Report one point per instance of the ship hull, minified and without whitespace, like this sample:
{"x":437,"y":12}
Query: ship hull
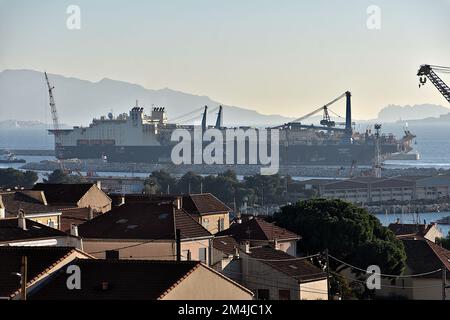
{"x":289,"y":155}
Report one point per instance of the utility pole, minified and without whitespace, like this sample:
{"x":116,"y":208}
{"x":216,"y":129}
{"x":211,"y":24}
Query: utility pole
{"x":444,"y":282}
{"x":327,"y":261}
{"x":178,"y":244}
{"x":23,"y":277}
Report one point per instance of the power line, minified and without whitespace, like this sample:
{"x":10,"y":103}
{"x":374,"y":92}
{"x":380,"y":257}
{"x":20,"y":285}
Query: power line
{"x":386,"y":275}
{"x":387,"y":286}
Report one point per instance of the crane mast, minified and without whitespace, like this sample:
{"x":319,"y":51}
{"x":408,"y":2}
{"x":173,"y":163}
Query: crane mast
{"x":429,"y":71}
{"x":52,"y":104}
{"x":55,"y":118}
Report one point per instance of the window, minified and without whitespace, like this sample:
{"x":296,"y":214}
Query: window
{"x":206,"y":223}
{"x":284,"y":294}
{"x":221,"y":223}
{"x":202,"y":255}
{"x":186,"y":255}
{"x":112,"y":254}
{"x":263,"y":294}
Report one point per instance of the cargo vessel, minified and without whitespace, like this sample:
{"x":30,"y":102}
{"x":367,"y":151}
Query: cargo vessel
{"x":135,"y":137}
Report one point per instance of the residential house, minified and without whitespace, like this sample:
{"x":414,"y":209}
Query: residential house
{"x":33,"y":204}
{"x":25,"y":232}
{"x":416,"y":231}
{"x":143,"y":280}
{"x":209,"y":211}
{"x":263,"y":257}
{"x":275,"y":275}
{"x":146,"y":230}
{"x":82,"y":195}
{"x":42,"y":262}
{"x":423,"y":277}
{"x":259,"y":232}
{"x":225,"y":257}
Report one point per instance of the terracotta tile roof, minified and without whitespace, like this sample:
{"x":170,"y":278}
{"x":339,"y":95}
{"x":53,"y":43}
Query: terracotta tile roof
{"x":425,"y":256}
{"x":408,"y":230}
{"x":27,"y":200}
{"x":63,"y":193}
{"x":10,"y":231}
{"x":258,"y":229}
{"x":143,"y":221}
{"x":125,"y":280}
{"x":301,"y":270}
{"x":194,"y":204}
{"x":75,"y":216}
{"x":204,"y":204}
{"x":226,"y":244}
{"x":39,"y":260}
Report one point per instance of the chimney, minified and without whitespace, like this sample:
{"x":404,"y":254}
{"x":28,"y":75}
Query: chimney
{"x":398,"y":221}
{"x":2,"y":209}
{"x":105,"y":285}
{"x":91,"y":213}
{"x":122,"y":200}
{"x":99,"y":185}
{"x":22,"y":222}
{"x":74,"y":230}
{"x":275,"y":244}
{"x":236,"y":252}
{"x":239,"y":218}
{"x":179,"y":203}
{"x":247,"y":247}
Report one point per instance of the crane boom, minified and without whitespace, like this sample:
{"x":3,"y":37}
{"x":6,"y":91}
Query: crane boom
{"x":52,"y":104}
{"x":325,"y":107}
{"x":429,"y":71}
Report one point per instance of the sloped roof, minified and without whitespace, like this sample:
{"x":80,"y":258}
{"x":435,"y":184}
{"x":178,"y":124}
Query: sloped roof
{"x":31,"y":202}
{"x":63,"y":193}
{"x":258,"y":229}
{"x":75,"y":216}
{"x":125,"y":279}
{"x":299,"y":269}
{"x":405,"y":230}
{"x":143,"y":221}
{"x":39,"y":259}
{"x":424,"y":256}
{"x":226,"y":244}
{"x":204,"y":204}
{"x":194,"y":204}
{"x":10,"y":231}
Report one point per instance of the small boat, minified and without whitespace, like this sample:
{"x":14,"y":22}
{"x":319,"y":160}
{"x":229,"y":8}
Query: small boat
{"x":445,"y":220}
{"x":8,"y":157}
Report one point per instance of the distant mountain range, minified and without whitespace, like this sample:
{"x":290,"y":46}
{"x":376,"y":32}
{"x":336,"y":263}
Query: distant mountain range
{"x":394,"y":113}
{"x":24,"y":98}
{"x":23,"y":95}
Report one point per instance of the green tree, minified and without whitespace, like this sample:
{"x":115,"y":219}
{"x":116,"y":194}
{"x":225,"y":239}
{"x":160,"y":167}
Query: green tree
{"x":59,"y":176}
{"x":350,"y":233}
{"x":189,"y":183}
{"x":159,"y":182}
{"x":12,"y":178}
{"x":444,"y":242}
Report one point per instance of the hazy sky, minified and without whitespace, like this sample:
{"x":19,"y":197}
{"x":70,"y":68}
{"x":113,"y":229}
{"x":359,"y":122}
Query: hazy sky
{"x":275,"y":56}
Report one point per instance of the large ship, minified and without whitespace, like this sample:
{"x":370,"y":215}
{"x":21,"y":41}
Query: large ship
{"x":135,"y":137}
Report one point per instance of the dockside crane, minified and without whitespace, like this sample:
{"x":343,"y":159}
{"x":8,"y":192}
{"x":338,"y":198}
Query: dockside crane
{"x":429,"y":71}
{"x":55,"y":118}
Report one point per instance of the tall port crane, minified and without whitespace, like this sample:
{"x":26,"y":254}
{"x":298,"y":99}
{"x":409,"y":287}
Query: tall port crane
{"x":429,"y":71}
{"x":55,"y":118}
